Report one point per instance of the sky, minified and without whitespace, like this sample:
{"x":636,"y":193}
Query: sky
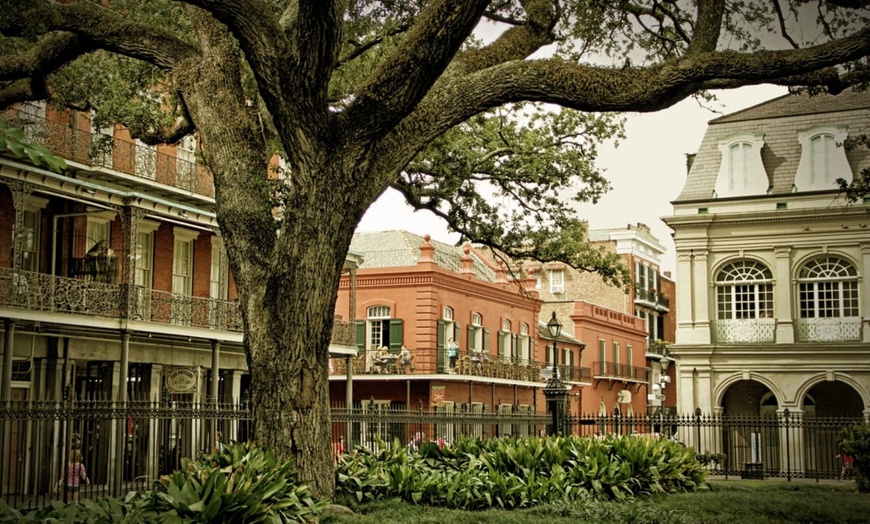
{"x":646,"y":171}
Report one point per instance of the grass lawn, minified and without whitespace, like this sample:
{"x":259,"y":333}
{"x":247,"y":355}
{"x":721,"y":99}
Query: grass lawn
{"x":727,"y":501}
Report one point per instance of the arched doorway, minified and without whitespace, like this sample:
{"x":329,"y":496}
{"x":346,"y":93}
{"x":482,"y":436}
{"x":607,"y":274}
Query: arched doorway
{"x":750,"y":431}
{"x":828,"y":406}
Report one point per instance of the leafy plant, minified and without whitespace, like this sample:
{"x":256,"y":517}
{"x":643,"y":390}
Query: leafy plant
{"x":130,"y":510}
{"x":237,"y":483}
{"x":13,"y":141}
{"x":855,"y":442}
{"x":711,"y":459}
{"x":517,"y":473}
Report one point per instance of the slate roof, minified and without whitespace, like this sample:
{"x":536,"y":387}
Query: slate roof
{"x":400,"y":248}
{"x":779,"y":121}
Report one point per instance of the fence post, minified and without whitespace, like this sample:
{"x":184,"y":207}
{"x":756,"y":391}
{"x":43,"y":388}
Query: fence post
{"x":785,"y":415}
{"x":697,"y":430}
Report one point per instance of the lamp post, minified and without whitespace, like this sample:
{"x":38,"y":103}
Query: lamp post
{"x":555,"y":392}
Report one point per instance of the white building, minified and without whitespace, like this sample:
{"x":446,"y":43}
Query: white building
{"x":774,"y":301}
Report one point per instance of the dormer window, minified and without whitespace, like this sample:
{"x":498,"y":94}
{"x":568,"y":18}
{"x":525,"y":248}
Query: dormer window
{"x":823,"y":159}
{"x":741,"y":172}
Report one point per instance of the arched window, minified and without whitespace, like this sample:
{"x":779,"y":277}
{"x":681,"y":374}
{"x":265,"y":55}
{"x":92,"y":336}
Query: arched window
{"x":744,"y":290}
{"x":823,"y":159}
{"x":828,"y":288}
{"x":822,"y":149}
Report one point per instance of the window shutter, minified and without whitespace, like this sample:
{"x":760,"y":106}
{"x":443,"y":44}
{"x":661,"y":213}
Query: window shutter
{"x":456,"y":332}
{"x":502,"y":344}
{"x":470,"y":340}
{"x":440,"y":350}
{"x":485,"y":347}
{"x":515,"y":346}
{"x":396,"y":335}
{"x":360,"y":335}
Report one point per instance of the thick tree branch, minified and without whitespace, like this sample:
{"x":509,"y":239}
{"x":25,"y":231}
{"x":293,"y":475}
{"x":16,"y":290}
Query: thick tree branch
{"x":48,"y":54}
{"x":404,"y":78}
{"x":108,"y":30}
{"x":708,"y":26}
{"x":590,"y":88}
{"x":21,"y":91}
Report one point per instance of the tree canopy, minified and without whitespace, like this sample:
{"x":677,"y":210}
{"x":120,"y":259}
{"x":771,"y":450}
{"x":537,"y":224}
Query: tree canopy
{"x":360,"y":96}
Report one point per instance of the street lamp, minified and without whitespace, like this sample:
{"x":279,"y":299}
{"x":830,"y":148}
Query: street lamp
{"x":555,"y":391}
{"x":555,"y":328}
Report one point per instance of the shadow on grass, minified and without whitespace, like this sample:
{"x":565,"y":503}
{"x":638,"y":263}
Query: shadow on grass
{"x":760,"y":502}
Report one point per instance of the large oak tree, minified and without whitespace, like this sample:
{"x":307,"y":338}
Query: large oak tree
{"x":359,"y":96}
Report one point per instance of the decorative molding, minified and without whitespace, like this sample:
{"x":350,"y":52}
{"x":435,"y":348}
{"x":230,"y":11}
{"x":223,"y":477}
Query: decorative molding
{"x":782,"y":252}
{"x":700,"y":255}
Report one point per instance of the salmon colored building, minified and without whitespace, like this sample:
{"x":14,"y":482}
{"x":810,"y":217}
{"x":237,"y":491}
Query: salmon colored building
{"x":419,"y":294}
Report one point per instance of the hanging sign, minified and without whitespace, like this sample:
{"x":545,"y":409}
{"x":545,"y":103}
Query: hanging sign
{"x":182,"y":380}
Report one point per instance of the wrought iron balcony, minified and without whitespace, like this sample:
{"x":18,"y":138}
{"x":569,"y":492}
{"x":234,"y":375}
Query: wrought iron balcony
{"x":76,"y":296}
{"x":602,"y":369}
{"x":842,"y":329}
{"x":651,"y":296}
{"x":86,"y":147}
{"x":435,"y":361}
{"x":745,"y":331}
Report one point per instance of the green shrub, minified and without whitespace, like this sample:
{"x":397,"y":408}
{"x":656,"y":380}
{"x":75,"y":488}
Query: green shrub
{"x":516,"y":473}
{"x":855,"y":441}
{"x":237,"y":483}
{"x":131,"y":510}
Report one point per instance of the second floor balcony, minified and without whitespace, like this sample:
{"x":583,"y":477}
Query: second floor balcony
{"x":834,"y":329}
{"x":744,"y":331}
{"x":617,"y":371}
{"x":76,"y":297}
{"x":471,"y":364}
{"x":652,"y":298}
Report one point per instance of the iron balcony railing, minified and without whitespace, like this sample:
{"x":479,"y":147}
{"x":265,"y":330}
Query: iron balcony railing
{"x":651,"y":296}
{"x":100,"y":150}
{"x":615,"y":370}
{"x":745,"y":331}
{"x":436,"y":361}
{"x":75,"y":296}
{"x":842,"y":329}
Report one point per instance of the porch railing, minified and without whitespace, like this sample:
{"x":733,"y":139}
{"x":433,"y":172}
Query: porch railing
{"x":605,"y":369}
{"x":745,"y":331}
{"x":841,"y":329}
{"x":99,"y":150}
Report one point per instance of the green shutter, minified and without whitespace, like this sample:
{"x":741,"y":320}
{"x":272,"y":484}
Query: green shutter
{"x":441,"y":352}
{"x":456,"y":333}
{"x":470,"y":338}
{"x":396,"y":335}
{"x":502,"y":344}
{"x":485,"y":348}
{"x":360,"y":335}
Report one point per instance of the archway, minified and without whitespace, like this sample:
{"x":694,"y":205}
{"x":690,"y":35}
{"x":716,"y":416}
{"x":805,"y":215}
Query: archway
{"x":833,"y":399}
{"x":827,"y":407}
{"x":750,"y":428}
{"x":746,"y":397}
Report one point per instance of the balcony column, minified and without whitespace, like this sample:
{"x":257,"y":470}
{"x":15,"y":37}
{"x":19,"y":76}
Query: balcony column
{"x":121,"y":422}
{"x":865,"y":299}
{"x":782,"y":297}
{"x":130,"y":217}
{"x":8,"y":352}
{"x":20,"y":192}
{"x":215,"y":370}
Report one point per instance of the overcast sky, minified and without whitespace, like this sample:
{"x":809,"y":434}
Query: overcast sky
{"x":647,"y":172}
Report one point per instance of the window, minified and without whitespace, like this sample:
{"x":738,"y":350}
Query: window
{"x":629,"y":360}
{"x":741,"y":171}
{"x":475,"y":333}
{"x":217,"y":275}
{"x":378,"y":320}
{"x":616,"y":358}
{"x":185,"y":172}
{"x":828,"y":288}
{"x":143,"y":276}
{"x":744,"y":290}
{"x":182,"y":276}
{"x":101,"y":144}
{"x":823,"y":159}
{"x":506,"y":341}
{"x":524,"y":344}
{"x":32,"y":115}
{"x":602,"y":356}
{"x":32,"y":231}
{"x":146,"y":160}
{"x":99,"y":229}
{"x":557,"y":281}
{"x":738,"y":174}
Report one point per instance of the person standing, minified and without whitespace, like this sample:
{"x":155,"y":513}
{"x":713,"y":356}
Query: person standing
{"x":74,"y":475}
{"x":452,"y":352}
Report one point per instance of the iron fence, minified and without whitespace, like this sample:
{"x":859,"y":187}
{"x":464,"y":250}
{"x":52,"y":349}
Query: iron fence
{"x":781,"y":444}
{"x":127,"y":446}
